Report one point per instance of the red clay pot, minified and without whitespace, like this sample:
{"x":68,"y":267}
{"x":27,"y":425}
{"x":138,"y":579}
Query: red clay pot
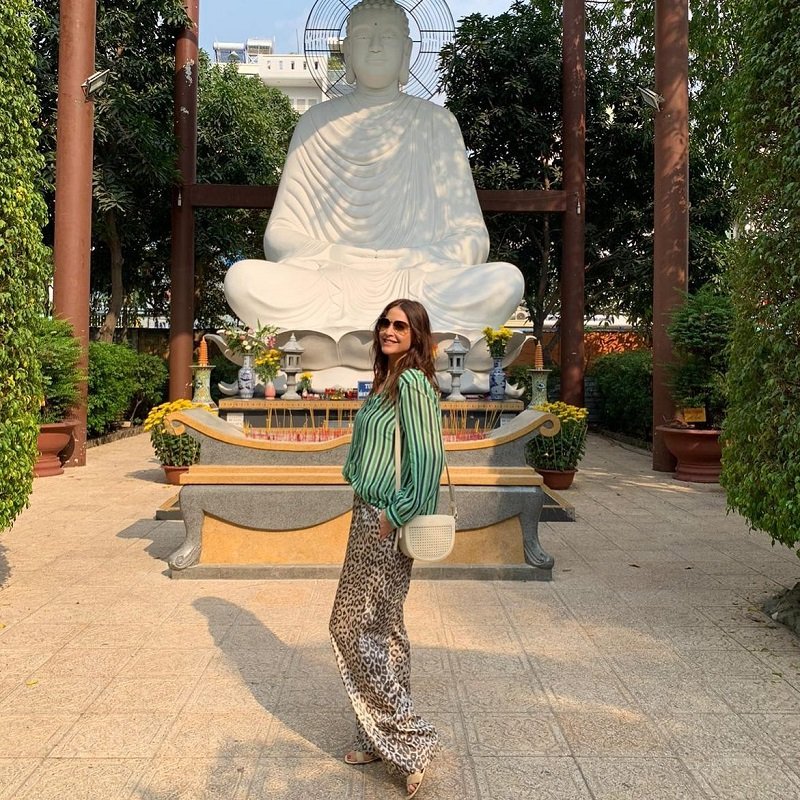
{"x":53,"y":438}
{"x":698,"y":452}
{"x":557,"y":479}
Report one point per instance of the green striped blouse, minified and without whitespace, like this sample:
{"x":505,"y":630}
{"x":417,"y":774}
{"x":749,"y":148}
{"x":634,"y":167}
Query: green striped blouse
{"x":369,"y":467}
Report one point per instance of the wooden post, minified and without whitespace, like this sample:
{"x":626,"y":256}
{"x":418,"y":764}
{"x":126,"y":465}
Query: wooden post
{"x":671,"y":194}
{"x":182,"y":269}
{"x":73,"y":208}
{"x":573,"y":257}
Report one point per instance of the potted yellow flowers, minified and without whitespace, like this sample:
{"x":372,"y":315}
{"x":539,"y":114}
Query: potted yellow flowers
{"x":176,"y":452}
{"x":496,"y":342}
{"x":268,"y":364}
{"x":556,"y":458}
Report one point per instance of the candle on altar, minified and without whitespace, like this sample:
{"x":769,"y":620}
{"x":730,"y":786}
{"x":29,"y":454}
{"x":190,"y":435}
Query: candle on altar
{"x":538,"y":358}
{"x":202,"y":358}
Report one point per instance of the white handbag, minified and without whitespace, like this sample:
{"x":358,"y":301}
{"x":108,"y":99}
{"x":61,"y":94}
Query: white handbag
{"x":427,"y":537}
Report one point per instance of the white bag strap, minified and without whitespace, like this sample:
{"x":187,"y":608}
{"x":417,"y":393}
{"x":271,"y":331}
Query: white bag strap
{"x":398,"y":467}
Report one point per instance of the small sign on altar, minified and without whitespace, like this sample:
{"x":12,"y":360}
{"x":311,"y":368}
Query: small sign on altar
{"x":364,"y":388}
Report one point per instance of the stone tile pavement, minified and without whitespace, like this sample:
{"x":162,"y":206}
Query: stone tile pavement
{"x":644,"y":671}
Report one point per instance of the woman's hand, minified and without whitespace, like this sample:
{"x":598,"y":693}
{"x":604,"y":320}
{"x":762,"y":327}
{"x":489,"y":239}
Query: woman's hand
{"x":385,"y":527}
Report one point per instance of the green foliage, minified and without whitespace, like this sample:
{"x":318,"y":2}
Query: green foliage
{"x":23,"y":259}
{"x":151,"y":384}
{"x":134,"y":145}
{"x":58,"y":352}
{"x":175,"y":451}
{"x":700,"y":332}
{"x":503,"y":80}
{"x":243,"y":133}
{"x":564,"y":450}
{"x":520,"y":377}
{"x":225,"y":371}
{"x":122,"y":384}
{"x":244,"y":129}
{"x":171,"y":449}
{"x":112,"y":385}
{"x":761,"y":434}
{"x":625,"y":392}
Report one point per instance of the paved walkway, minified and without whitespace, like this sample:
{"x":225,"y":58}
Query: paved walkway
{"x":644,"y":671}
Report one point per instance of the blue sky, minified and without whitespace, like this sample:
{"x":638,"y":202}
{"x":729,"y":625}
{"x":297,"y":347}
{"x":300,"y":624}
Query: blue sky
{"x":284,"y":20}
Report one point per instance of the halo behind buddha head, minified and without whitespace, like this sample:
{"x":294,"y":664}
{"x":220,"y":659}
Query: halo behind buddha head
{"x":377,"y":5}
{"x":367,"y":6}
{"x":429,"y":24}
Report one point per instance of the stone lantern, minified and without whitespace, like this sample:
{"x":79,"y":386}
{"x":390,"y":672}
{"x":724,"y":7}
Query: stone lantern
{"x":291,"y":366}
{"x":455,"y":354}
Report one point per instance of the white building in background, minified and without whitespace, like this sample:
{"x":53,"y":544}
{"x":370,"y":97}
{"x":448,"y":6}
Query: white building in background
{"x":288,"y":72}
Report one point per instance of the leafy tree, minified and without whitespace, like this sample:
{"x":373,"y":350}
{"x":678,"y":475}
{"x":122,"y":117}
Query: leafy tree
{"x":244,"y":128}
{"x":23,"y":259}
{"x":502,"y":76}
{"x":134,"y":146}
{"x":243,"y":133}
{"x":761,"y":465}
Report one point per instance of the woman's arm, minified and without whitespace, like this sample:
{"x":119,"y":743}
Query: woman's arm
{"x":423,"y":453}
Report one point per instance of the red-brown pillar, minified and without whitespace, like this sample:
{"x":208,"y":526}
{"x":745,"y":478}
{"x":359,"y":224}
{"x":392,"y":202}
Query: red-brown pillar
{"x":182,"y":271}
{"x":73,"y":204}
{"x":671,"y":193}
{"x":573,"y":256}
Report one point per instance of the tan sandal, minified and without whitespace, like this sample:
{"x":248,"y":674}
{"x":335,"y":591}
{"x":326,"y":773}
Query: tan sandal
{"x":359,"y":757}
{"x":413,"y":782}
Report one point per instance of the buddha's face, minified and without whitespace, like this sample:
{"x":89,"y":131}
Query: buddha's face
{"x":376,"y":48}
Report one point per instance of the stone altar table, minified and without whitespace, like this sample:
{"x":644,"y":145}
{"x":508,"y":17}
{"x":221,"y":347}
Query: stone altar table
{"x":255,"y":509}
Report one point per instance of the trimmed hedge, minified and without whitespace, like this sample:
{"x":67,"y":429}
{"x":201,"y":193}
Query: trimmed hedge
{"x":123,"y":384}
{"x":112,"y":385}
{"x":761,"y":432}
{"x":58,"y":352}
{"x":625,"y":392}
{"x":23,"y":259}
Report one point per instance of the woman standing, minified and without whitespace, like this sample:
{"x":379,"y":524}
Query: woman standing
{"x":367,"y":629}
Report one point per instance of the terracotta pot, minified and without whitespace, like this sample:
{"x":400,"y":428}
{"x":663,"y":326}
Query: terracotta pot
{"x":698,"y":452}
{"x":173,"y":474}
{"x":53,"y":438}
{"x":557,"y":479}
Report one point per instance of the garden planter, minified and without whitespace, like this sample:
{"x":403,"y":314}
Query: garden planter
{"x":698,"y":452}
{"x":557,"y":479}
{"x":53,"y":438}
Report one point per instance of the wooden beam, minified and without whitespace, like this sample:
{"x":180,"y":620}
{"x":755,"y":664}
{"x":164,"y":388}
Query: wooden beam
{"x":208,"y":195}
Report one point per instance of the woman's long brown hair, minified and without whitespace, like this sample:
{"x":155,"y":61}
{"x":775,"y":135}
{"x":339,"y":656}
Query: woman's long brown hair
{"x":419,"y":355}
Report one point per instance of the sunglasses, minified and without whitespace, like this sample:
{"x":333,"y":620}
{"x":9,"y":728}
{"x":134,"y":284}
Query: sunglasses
{"x":384,"y":323}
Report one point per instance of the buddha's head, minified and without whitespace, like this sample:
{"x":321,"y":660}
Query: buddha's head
{"x":377,"y":47}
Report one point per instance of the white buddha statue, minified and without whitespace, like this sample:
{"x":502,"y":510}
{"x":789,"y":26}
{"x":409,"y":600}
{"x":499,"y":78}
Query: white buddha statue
{"x":376,"y":201}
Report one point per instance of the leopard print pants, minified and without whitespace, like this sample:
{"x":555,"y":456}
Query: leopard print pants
{"x":372,"y":649}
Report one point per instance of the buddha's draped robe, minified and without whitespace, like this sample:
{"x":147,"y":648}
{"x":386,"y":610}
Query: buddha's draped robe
{"x":375,"y":203}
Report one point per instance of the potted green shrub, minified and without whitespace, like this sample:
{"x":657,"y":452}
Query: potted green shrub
{"x":556,"y":458}
{"x":58,"y":353}
{"x":700,"y":330}
{"x":176,"y":452}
